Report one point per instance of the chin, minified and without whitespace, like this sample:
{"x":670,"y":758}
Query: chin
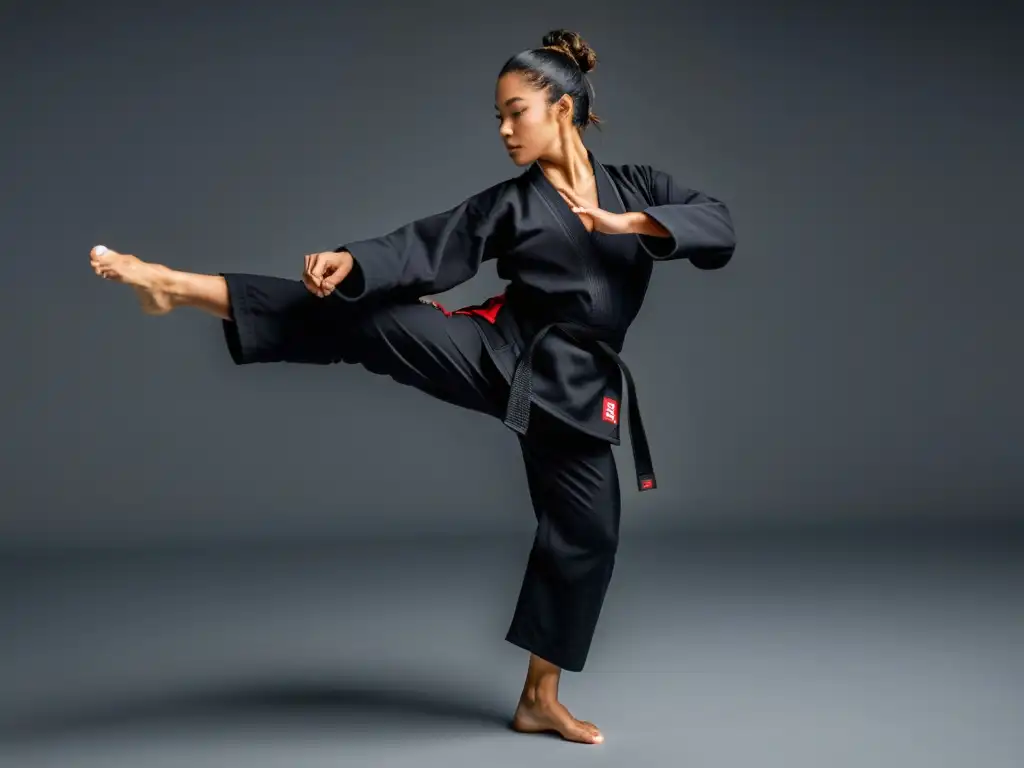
{"x":521,"y":158}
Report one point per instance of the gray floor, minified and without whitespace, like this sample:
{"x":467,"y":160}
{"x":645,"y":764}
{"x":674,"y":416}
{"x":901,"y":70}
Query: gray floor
{"x":715,"y":649}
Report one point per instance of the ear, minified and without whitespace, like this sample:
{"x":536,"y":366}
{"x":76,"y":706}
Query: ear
{"x":565,"y":106}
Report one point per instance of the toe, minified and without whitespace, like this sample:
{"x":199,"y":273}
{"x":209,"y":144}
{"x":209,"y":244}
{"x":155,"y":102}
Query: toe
{"x":586,"y":733}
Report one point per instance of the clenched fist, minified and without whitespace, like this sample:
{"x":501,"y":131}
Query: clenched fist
{"x":325,"y":270}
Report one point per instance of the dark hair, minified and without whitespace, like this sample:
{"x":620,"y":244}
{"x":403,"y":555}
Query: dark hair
{"x":561,"y":67}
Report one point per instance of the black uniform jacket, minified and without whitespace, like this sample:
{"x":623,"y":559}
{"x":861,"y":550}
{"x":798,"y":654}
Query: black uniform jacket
{"x":557,"y":330}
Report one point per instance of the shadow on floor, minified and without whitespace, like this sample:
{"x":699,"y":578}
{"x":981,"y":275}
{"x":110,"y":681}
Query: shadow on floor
{"x":337,"y":709}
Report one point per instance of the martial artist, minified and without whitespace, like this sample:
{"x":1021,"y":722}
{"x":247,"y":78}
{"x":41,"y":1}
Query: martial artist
{"x":576,"y":240}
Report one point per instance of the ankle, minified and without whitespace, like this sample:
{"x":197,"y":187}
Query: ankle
{"x":174,"y":284}
{"x":537,"y":692}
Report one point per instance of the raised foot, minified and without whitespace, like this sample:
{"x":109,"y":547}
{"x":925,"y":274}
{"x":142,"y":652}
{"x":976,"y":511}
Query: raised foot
{"x":553,"y":717}
{"x":147,"y":280}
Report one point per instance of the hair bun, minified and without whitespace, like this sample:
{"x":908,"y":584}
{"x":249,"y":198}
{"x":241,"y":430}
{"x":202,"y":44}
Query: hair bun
{"x":573,"y":45}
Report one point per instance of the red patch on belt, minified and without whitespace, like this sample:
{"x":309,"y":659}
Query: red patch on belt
{"x":610,"y":411}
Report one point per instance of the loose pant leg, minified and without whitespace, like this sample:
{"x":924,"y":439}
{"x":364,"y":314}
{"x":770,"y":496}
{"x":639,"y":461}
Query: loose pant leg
{"x":278,"y":320}
{"x":572,"y":477}
{"x":574,"y":486}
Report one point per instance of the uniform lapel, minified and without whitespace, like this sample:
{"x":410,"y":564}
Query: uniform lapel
{"x":608,"y":197}
{"x":558,"y":207}
{"x":611,"y":247}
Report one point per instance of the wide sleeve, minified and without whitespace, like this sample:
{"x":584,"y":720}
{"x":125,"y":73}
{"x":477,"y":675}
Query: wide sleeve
{"x":426,"y":256}
{"x":699,"y":227}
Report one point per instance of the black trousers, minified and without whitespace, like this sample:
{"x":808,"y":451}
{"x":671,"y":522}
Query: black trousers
{"x":572,"y":477}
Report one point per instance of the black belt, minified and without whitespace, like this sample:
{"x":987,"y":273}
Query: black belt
{"x":517,"y":414}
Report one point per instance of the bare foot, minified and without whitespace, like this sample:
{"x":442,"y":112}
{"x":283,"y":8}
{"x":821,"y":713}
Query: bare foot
{"x":539,"y":716}
{"x":146,"y":279}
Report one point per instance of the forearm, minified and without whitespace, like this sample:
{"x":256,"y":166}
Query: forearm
{"x":426,"y":256}
{"x":642,"y":224}
{"x":699,"y":231}
{"x":682,"y":223}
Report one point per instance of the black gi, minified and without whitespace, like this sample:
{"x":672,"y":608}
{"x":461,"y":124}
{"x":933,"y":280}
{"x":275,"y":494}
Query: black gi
{"x":543,"y":356}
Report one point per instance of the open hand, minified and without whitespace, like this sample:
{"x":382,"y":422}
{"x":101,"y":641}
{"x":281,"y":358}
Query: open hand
{"x":603,"y":221}
{"x":325,"y":270}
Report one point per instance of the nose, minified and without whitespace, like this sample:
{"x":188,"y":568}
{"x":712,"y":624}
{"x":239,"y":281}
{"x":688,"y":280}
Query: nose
{"x":505,"y":129}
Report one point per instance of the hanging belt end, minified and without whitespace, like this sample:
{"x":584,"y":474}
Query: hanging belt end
{"x":646,"y":482}
{"x":518,"y":425}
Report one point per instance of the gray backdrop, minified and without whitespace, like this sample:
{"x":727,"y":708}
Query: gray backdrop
{"x":858,"y":359}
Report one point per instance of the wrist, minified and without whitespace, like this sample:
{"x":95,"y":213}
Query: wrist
{"x":346,"y":264}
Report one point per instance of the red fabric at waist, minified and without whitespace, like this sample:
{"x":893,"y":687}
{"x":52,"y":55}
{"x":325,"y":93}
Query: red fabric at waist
{"x":488,"y":309}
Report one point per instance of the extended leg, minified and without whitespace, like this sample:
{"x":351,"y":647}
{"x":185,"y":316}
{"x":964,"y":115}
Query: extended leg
{"x":208,"y":293}
{"x":161,"y":289}
{"x":575,"y":491}
{"x":270,"y":319}
{"x":414,"y":344}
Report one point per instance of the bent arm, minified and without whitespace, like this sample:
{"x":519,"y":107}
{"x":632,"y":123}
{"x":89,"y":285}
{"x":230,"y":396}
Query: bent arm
{"x":427,"y":256}
{"x":685,"y":224}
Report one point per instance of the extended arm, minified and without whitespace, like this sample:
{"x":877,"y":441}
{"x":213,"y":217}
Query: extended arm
{"x":427,"y":256}
{"x":685,"y":224}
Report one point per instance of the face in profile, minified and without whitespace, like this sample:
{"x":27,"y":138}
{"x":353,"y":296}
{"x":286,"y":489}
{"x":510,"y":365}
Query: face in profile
{"x":528,"y":125}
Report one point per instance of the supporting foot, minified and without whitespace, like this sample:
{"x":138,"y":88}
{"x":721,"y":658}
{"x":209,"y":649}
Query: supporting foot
{"x":540,"y":711}
{"x":551,"y":716}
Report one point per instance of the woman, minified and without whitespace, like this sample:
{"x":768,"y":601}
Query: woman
{"x":577,"y":241}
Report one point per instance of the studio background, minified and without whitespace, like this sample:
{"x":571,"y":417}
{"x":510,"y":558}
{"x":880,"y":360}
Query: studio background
{"x":858,"y":360}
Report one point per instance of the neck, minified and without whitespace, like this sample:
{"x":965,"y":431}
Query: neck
{"x":567,"y":161}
